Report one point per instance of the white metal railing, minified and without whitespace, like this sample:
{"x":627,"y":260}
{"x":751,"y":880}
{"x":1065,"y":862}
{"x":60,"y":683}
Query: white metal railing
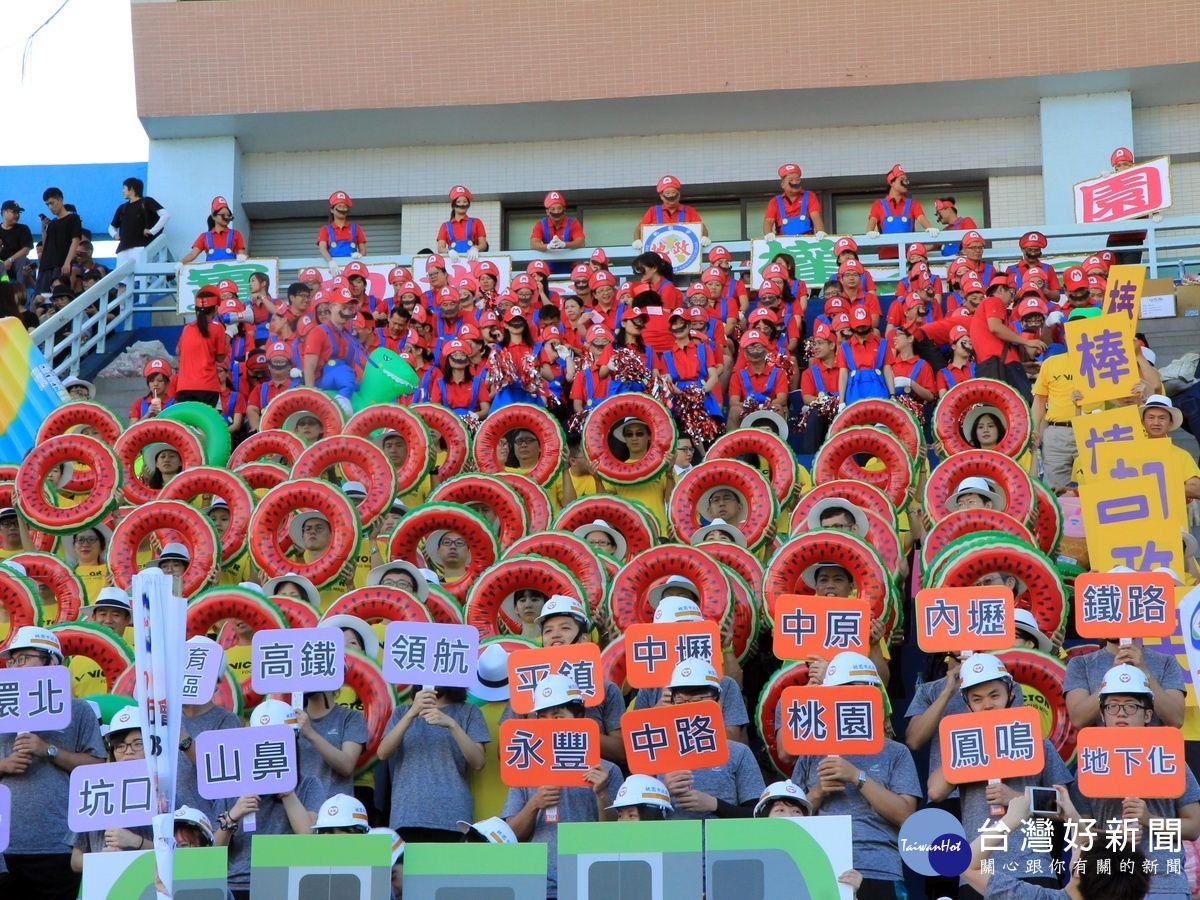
{"x":1170,"y":247}
{"x":73,"y":333}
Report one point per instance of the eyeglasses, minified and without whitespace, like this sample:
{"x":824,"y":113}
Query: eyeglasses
{"x":16,"y":662}
{"x":526,"y":440}
{"x":1123,"y":709}
{"x":455,"y":544}
{"x":86,"y":539}
{"x":134,"y":746}
{"x":314,"y":527}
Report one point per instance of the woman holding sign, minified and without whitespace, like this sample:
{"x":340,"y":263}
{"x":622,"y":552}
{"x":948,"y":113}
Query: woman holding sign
{"x":331,"y":739}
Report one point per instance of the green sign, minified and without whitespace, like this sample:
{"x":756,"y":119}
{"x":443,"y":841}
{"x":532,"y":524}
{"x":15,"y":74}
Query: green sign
{"x":475,"y":871}
{"x":627,"y":860}
{"x":321,"y":866}
{"x":752,"y":859}
{"x":199,"y":875}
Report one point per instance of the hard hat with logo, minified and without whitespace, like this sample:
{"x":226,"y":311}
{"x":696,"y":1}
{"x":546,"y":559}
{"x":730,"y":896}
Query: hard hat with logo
{"x":851,"y":668}
{"x":187,"y":815}
{"x":342,"y":811}
{"x":677,"y":609}
{"x":274,"y":712}
{"x":492,"y":829}
{"x":555,"y":690}
{"x":31,"y":637}
{"x":781,"y":790}
{"x":642,"y":790}
{"x":695,"y":673}
{"x":397,"y":842}
{"x":126,"y":719}
{"x":981,"y":668}
{"x":562,"y":605}
{"x":1124,"y":679}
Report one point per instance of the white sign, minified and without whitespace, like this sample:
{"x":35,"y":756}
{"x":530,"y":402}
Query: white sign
{"x":35,"y":699}
{"x":677,"y":241}
{"x":194,"y":277}
{"x":203,"y":666}
{"x":110,"y":795}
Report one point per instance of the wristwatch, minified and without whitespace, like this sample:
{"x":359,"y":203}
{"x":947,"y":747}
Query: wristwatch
{"x":186,"y":744}
{"x":862,"y":779}
{"x":52,"y":752}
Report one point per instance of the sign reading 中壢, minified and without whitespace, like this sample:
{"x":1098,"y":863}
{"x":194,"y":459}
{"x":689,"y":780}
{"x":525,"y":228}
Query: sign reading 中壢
{"x":1116,"y":605}
{"x":197,"y":275}
{"x":652,"y":650}
{"x":203,"y":666}
{"x":556,"y":752}
{"x":1136,"y":191}
{"x":579,"y":662}
{"x":999,"y":743}
{"x":841,"y":720}
{"x":966,"y":618}
{"x":430,"y":653}
{"x":672,"y":738}
{"x":679,"y":242}
{"x":807,"y":627}
{"x":110,"y":795}
{"x":286,"y":660}
{"x":259,"y":759}
{"x":1101,"y":357}
{"x":1131,"y":762}
{"x":35,"y":699}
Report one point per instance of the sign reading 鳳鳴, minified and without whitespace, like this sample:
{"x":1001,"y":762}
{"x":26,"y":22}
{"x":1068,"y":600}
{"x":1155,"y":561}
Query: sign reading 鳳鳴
{"x":286,"y":660}
{"x":999,"y":743}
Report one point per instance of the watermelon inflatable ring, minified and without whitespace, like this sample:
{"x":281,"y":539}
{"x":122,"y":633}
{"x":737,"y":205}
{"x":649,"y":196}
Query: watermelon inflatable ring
{"x":379,"y":603}
{"x":19,"y":596}
{"x":576,"y":554}
{"x":601,"y":433}
{"x":226,"y":485}
{"x":522,"y":417}
{"x":692,"y":490}
{"x":70,"y":418}
{"x":533,"y":497}
{"x":791,"y":674}
{"x":865,"y":496}
{"x":956,"y":412}
{"x":1001,"y":470}
{"x":785,"y":570}
{"x":268,"y":530}
{"x":965,"y":522}
{"x":30,"y":492}
{"x":379,"y":699}
{"x":836,"y":460}
{"x":209,"y":607}
{"x":455,"y":437}
{"x":1046,"y":675}
{"x":766,"y":445}
{"x":52,"y":572}
{"x":629,"y":601}
{"x":142,"y":434}
{"x":174,"y":520}
{"x":505,"y":578}
{"x":746,"y":565}
{"x":297,"y":401}
{"x":359,"y":460}
{"x":628,"y":518}
{"x":42,"y":542}
{"x":274,"y":442}
{"x":299,"y":613}
{"x":881,"y":535}
{"x":262,"y":476}
{"x":424,"y":522}
{"x":503,"y":502}
{"x":99,"y":644}
{"x":418,"y":457}
{"x":893,"y":416}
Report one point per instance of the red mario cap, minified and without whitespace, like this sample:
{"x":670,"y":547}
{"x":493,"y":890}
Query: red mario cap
{"x":895,"y":172}
{"x":340,"y":197}
{"x":668,"y":181}
{"x":219,"y":203}
{"x":602,"y":278}
{"x":309,"y":274}
{"x":552,"y":198}
{"x":754,"y":336}
{"x":789,"y":169}
{"x":459,"y":191}
{"x":1120,"y":155}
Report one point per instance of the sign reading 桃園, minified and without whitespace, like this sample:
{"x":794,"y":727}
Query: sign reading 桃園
{"x":841,"y":720}
{"x":999,"y":743}
{"x":286,"y":660}
{"x":195,"y":276}
{"x":672,"y":738}
{"x":1136,"y":191}
{"x":1114,"y":605}
{"x":807,"y":627}
{"x":430,"y":653}
{"x":35,"y":699}
{"x":110,"y":795}
{"x":652,"y":650}
{"x":579,"y":662}
{"x":1131,"y":762}
{"x":556,"y":752}
{"x":258,"y":759}
{"x":967,"y":618}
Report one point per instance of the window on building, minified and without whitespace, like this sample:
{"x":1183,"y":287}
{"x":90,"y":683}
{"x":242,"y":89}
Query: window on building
{"x":850,"y":209}
{"x":297,"y":238}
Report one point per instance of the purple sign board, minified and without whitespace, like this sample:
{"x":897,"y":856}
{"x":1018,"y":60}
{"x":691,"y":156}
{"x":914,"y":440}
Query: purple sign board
{"x":5,"y":815}
{"x":203,"y":666}
{"x":290,"y":660}
{"x":35,"y":699}
{"x":234,"y":762}
{"x":429,"y":653}
{"x":110,"y":795}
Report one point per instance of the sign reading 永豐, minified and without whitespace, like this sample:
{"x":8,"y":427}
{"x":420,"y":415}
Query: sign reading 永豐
{"x":204,"y":664}
{"x":286,"y":660}
{"x":999,"y":743}
{"x":807,"y":627}
{"x":1123,"y":291}
{"x":841,"y":720}
{"x":259,"y":759}
{"x":110,"y":795}
{"x":579,"y":662}
{"x":1116,"y":605}
{"x":1131,"y":762}
{"x":967,"y":618}
{"x":678,"y":242}
{"x":652,"y":650}
{"x":556,"y":752}
{"x":35,"y":699}
{"x":196,"y":276}
{"x":1101,"y":357}
{"x":1136,"y":191}
{"x":430,"y":653}
{"x":671,"y":738}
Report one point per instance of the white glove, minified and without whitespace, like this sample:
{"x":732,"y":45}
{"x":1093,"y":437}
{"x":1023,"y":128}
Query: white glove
{"x":334,"y":269}
{"x":556,"y":243}
{"x":902,"y":384}
{"x":820,"y":235}
{"x":1056,"y":318}
{"x":241,"y":257}
{"x":931,"y":231}
{"x":872,"y":234}
{"x":453,"y":254}
{"x":113,"y":233}
{"x":637,"y":245}
{"x":179,"y":271}
{"x":563,"y":353}
{"x":704,"y":242}
{"x":821,"y":395}
{"x":769,"y":236}
{"x":1154,"y":217}
{"x":294,"y":372}
{"x":473,"y":253}
{"x":356,"y":255}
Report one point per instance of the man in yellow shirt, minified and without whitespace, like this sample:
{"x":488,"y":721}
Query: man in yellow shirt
{"x":1053,"y":412}
{"x":1160,"y":418}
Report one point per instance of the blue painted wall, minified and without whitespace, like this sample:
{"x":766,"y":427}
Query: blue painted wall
{"x":94,"y":189}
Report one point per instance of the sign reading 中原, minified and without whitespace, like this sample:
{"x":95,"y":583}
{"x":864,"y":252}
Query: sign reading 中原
{"x":1101,"y":357}
{"x":196,"y":276}
{"x":1118,"y":605}
{"x":286,"y":660}
{"x":679,"y":242}
{"x":430,"y":653}
{"x":579,"y":662}
{"x":841,"y":720}
{"x":672,"y":738}
{"x":259,"y":759}
{"x":1123,"y":291}
{"x":807,"y":627}
{"x":966,"y":618}
{"x":1136,"y":191}
{"x":203,"y":666}
{"x":652,"y":650}
{"x":555,"y":752}
{"x":1131,"y":762}
{"x":999,"y":743}
{"x":35,"y":699}
{"x":1122,"y":425}
{"x":110,"y":795}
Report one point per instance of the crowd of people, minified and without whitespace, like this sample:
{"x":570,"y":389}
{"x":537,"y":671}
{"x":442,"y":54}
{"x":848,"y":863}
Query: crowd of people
{"x":722,"y":355}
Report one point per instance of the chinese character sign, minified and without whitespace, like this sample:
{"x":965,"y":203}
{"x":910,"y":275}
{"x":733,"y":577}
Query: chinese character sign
{"x":35,"y":699}
{"x":429,"y":653}
{"x":672,"y":738}
{"x":202,"y":666}
{"x":1131,"y":762}
{"x":1118,"y":605}
{"x":240,"y":761}
{"x":842,"y":720}
{"x":1123,"y":291}
{"x":579,"y":662}
{"x":1124,"y":525}
{"x":653,"y":650}
{"x":677,"y":241}
{"x":807,"y":627}
{"x":195,"y":276}
{"x":1122,"y":425}
{"x":556,"y":752}
{"x":110,"y":795}
{"x":1136,"y":191}
{"x":1146,"y":456}
{"x":285,"y":660}
{"x":1101,"y":357}
{"x":967,"y":618}
{"x":1000,"y":743}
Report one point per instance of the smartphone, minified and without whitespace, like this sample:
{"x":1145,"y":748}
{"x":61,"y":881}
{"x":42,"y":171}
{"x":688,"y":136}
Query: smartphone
{"x":1043,"y":801}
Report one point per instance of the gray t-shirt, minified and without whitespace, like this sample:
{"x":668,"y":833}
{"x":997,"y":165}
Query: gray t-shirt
{"x":575,"y":804}
{"x":271,"y":818}
{"x":39,"y":794}
{"x":429,"y":779}
{"x":975,"y":815}
{"x":93,"y":841}
{"x":336,"y":726}
{"x":607,"y":715}
{"x":737,"y":781}
{"x":1087,"y":671}
{"x":1005,"y":886}
{"x":1104,"y":810}
{"x":733,"y":705}
{"x":186,"y":794}
{"x":876,"y":840}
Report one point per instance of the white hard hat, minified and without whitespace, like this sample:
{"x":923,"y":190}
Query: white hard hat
{"x":397,"y":842}
{"x":562,"y":605}
{"x":342,"y":811}
{"x":850,"y":668}
{"x":695,"y":672}
{"x":494,"y":828}
{"x":555,"y":690}
{"x":1124,"y":679}
{"x":642,"y":790}
{"x":1026,"y":622}
{"x":31,"y":637}
{"x":126,"y":719}
{"x":980,"y":668}
{"x":676,"y":582}
{"x":781,"y":790}
{"x":677,"y":609}
{"x":187,"y":815}
{"x":274,"y":712}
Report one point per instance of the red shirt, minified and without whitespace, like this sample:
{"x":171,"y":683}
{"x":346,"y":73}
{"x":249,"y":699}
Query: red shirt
{"x":349,"y":233}
{"x":305,"y":323}
{"x":318,"y":344}
{"x":903,"y":368}
{"x":986,"y":344}
{"x":221,"y":240}
{"x":568,"y":229}
{"x":266,"y":392}
{"x":657,"y":333}
{"x":869,"y":299}
{"x":198,"y":357}
{"x":895,"y":209}
{"x":457,"y":394}
{"x":865,"y":353}
{"x":239,"y":404}
{"x":939,"y":331}
{"x":758,"y":383}
{"x":791,"y":208}
{"x":686,"y":360}
{"x":591,"y":377}
{"x":952,"y":375}
{"x":1023,"y":269}
{"x":651,"y":216}
{"x":827,"y":374}
{"x":459,"y":227}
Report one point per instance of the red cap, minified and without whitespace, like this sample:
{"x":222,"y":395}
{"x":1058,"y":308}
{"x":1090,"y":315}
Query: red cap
{"x":459,"y":191}
{"x":602,"y":278}
{"x":718,"y":252}
{"x":769,"y":289}
{"x":678,"y":313}
{"x":219,"y":203}
{"x":712,"y":273}
{"x":859,"y":316}
{"x":958,"y":263}
{"x":1093,"y":262}
{"x":446,"y":294}
{"x":435,"y":261}
{"x":843,"y":245}
{"x":972,"y":237}
{"x":696,"y":289}
{"x":523,"y":282}
{"x":399,"y":275}
{"x":668,"y":181}
{"x":408,"y":287}
{"x":1033,"y":304}
{"x":454,"y":346}
{"x":917,"y":250}
{"x":488,"y":318}
{"x":278,"y":350}
{"x":1035,"y":275}
{"x":597,"y":332}
{"x":1001,"y":278}
{"x":513,"y":312}
{"x":582,"y":272}
{"x":753,"y":336}
{"x":761,"y":313}
{"x":822,"y":331}
{"x":841,"y":322}
{"x":207,"y":297}
{"x":1107,"y":257}
{"x":232,"y":305}
{"x":599,"y":257}
{"x":227,"y":286}
{"x":257,"y":360}
{"x":637,"y":312}
{"x":487,"y":267}
{"x":1032,"y":239}
{"x":775,"y":270}
{"x":789,"y":169}
{"x":695,"y":314}
{"x":834,"y":305}
{"x":551,"y":331}
{"x":851,"y":265}
{"x":469,"y":332}
{"x":1121,"y":155}
{"x":341,"y":295}
{"x":538,"y":267}
{"x":157,"y":367}
{"x":1074,"y":279}
{"x":309,"y":274}
{"x":913,"y":300}
{"x":339,"y":197}
{"x":1096,"y":282}
{"x":354,"y":268}
{"x":552,"y":198}
{"x":895,"y":172}
{"x":971,"y":284}
{"x":957,"y":333}
{"x":361,"y":321}
{"x":419,"y":315}
{"x":467,"y":283}
{"x":942,"y":204}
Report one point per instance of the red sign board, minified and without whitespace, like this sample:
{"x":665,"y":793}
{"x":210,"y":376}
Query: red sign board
{"x":1000,"y":743}
{"x":1125,"y":605}
{"x":673,"y":738}
{"x":965,"y":618}
{"x":839,"y":721}
{"x":555,"y":752}
{"x":807,"y":627}
{"x":653,"y":650}
{"x":579,"y":662}
{"x":1131,"y":762}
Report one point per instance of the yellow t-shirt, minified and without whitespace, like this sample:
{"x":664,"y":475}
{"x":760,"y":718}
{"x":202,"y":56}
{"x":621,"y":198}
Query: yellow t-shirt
{"x":486,"y":787}
{"x":585,"y":485}
{"x":87,"y":677}
{"x":1055,"y":383}
{"x":237,"y":658}
{"x":94,"y":578}
{"x":652,"y":495}
{"x":237,"y":573}
{"x":364,"y":563}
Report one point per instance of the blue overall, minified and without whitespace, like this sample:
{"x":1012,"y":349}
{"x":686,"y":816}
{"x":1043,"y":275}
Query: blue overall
{"x":660,"y":215}
{"x":953,"y":249}
{"x":955,"y":379}
{"x":896,"y":224}
{"x":617,"y":386}
{"x":1044,"y":268}
{"x":800,"y":224}
{"x":230,"y":406}
{"x":589,"y":390}
{"x":548,"y":230}
{"x":213,"y":253}
{"x":261,"y":332}
{"x":384,"y":337}
{"x":864,"y":384}
{"x":339,"y":375}
{"x":264,"y":389}
{"x":421,"y":393}
{"x":473,"y":402}
{"x":912,"y":376}
{"x":144,"y":406}
{"x":465,"y":244}
{"x":556,"y":383}
{"x":514,"y":393}
{"x":759,"y":398}
{"x":342,"y":249}
{"x":710,"y":402}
